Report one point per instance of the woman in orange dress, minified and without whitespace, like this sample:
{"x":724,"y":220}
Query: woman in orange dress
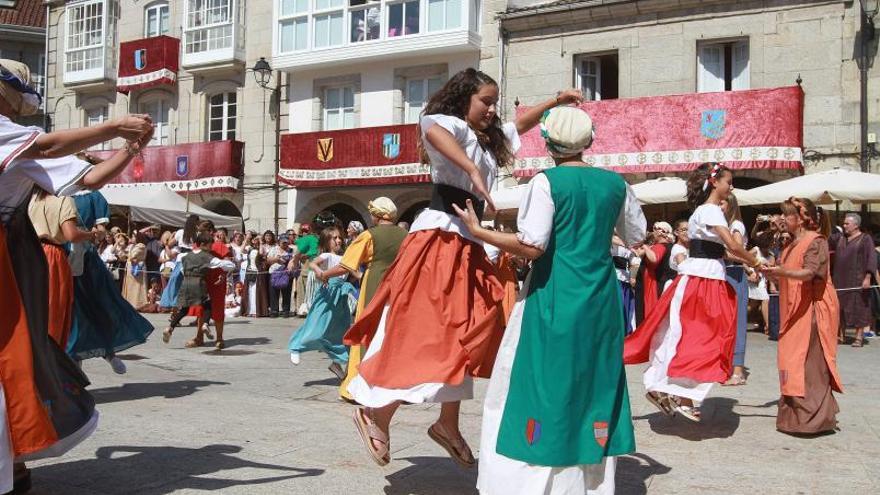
{"x":809,"y":309}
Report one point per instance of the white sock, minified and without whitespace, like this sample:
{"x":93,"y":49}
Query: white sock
{"x":294,"y":357}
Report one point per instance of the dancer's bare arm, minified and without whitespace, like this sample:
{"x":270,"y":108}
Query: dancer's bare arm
{"x":70,"y":141}
{"x":503,"y":241}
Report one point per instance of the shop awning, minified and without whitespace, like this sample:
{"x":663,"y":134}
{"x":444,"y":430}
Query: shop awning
{"x":755,"y":129}
{"x":148,"y":62}
{"x":161,"y":205}
{"x":367,"y":156}
{"x":202,"y":167}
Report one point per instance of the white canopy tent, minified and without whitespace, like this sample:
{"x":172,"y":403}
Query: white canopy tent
{"x":161,"y":205}
{"x":661,"y":191}
{"x":827,"y":187}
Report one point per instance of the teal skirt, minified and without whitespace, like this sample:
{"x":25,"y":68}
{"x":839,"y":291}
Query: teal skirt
{"x":328,"y":320}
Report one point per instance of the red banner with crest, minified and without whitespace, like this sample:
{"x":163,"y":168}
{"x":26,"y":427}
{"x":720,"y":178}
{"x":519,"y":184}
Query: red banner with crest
{"x":148,"y":62}
{"x":761,"y":128}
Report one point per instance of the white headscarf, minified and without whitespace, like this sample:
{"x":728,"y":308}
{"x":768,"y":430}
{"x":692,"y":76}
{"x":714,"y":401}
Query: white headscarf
{"x":15,"y":80}
{"x":383,"y":208}
{"x":567,"y":131}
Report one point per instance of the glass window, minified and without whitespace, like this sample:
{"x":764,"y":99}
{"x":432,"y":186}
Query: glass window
{"x":294,"y":34}
{"x":208,"y":25}
{"x":365,"y":20}
{"x":291,"y":7}
{"x":84,"y":40}
{"x":403,"y":18}
{"x":418,"y":92}
{"x":156,"y":20}
{"x":329,"y":30}
{"x":444,"y":14}
{"x":158,"y":111}
{"x":589,"y":75}
{"x":338,"y":108}
{"x":95,"y":116}
{"x":222,"y":113}
{"x":723,"y":66}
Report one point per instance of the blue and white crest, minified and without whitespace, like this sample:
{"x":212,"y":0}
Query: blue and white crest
{"x":712,"y":124}
{"x":391,"y":146}
{"x":140,"y":59}
{"x":182,"y":165}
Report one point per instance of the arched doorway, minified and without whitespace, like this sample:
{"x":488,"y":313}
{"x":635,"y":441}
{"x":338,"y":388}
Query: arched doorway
{"x":222,"y":207}
{"x":346,"y":213}
{"x":410,"y":214}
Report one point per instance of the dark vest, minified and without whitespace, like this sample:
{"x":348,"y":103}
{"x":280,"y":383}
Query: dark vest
{"x":386,"y":243}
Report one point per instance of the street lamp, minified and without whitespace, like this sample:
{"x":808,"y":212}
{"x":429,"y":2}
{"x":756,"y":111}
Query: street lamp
{"x":262,"y":72}
{"x":263,"y":76}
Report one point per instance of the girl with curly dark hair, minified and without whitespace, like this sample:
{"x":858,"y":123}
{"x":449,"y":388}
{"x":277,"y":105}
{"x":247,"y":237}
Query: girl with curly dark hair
{"x":696,"y":316}
{"x":434,"y":322}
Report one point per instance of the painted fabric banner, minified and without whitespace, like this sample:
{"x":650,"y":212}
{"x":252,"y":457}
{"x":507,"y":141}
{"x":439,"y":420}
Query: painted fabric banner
{"x":147,"y":62}
{"x":761,"y":128}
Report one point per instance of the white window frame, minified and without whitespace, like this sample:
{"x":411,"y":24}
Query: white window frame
{"x":325,"y":112}
{"x":157,"y":7}
{"x":94,"y":115}
{"x":581,"y":75}
{"x":708,"y":82}
{"x":426,"y":90}
{"x":190,"y":29}
{"x":162,"y":130}
{"x":97,"y":54}
{"x":293,"y":18}
{"x":225,"y":128}
{"x":470,"y":11}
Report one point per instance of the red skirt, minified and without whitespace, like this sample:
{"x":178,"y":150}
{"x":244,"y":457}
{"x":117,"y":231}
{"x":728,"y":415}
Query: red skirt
{"x":216,"y":281}
{"x":60,"y":294}
{"x":708,"y":330}
{"x":444,"y":316}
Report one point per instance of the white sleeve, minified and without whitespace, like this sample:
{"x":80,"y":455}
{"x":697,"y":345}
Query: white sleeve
{"x":631,"y":223}
{"x":492,"y":252}
{"x":738,"y":226}
{"x":454,"y":125}
{"x":60,"y":176}
{"x":711,"y":216}
{"x":14,"y":140}
{"x":512,"y":136}
{"x":108,"y":256}
{"x":223,"y":264}
{"x":536,"y":210}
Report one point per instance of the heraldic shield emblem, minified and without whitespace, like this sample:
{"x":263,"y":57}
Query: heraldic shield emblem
{"x":712,"y":124}
{"x":140,"y":59}
{"x":391,"y":146}
{"x":325,"y":149}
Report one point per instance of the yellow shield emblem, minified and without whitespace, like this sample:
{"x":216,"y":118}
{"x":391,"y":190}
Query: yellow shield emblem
{"x":325,"y":149}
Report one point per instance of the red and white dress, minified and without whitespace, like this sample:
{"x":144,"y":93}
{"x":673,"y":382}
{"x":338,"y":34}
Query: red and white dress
{"x":435,"y":321}
{"x":688,"y":338}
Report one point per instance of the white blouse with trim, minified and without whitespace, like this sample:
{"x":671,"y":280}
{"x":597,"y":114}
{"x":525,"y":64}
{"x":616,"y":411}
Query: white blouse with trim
{"x":59,"y":176}
{"x":700,"y":227}
{"x":444,"y":171}
{"x":536,"y":209}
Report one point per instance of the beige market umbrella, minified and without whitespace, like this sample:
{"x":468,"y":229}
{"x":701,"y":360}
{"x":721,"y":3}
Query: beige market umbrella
{"x":661,"y":191}
{"x":826,"y":187}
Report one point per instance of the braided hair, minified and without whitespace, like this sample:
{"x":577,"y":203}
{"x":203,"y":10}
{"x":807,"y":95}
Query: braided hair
{"x":814,"y":218}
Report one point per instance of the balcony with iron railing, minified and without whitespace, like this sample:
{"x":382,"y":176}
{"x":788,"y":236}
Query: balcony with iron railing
{"x":312,"y":33}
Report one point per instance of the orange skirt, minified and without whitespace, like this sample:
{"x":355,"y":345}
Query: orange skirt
{"x":444,"y":316}
{"x":60,"y":294}
{"x":29,"y":425}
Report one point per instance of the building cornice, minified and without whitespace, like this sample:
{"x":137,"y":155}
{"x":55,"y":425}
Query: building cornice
{"x":32,"y":33}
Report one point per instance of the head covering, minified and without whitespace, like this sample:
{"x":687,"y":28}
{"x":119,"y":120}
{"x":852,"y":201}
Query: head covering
{"x":15,"y":80}
{"x":383,"y":209}
{"x":664,"y":226}
{"x":567,"y":131}
{"x":137,"y":253}
{"x":356,"y":226}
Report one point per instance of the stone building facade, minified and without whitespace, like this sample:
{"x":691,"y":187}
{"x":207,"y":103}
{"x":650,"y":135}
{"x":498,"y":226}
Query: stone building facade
{"x":624,"y":49}
{"x":186,"y":63}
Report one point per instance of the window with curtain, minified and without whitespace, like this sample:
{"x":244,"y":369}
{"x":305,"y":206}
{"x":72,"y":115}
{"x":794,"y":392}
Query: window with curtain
{"x":418,"y":92}
{"x":723,"y":66}
{"x":156,"y":20}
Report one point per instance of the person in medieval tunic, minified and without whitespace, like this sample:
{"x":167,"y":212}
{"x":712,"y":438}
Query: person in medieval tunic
{"x":553,"y":426}
{"x":44,"y":407}
{"x":854,"y":264}
{"x":376,"y":249}
{"x":807,"y":352}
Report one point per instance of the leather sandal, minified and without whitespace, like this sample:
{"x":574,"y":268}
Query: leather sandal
{"x":459,"y":451}
{"x":370,"y":433}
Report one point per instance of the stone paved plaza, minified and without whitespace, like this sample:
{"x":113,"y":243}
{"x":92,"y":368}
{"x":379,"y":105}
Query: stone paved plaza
{"x":245,"y":421}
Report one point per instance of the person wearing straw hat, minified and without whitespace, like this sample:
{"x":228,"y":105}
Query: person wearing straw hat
{"x":554,"y":426}
{"x":44,"y":407}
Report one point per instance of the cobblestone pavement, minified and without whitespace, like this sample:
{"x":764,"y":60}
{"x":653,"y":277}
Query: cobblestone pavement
{"x":246,"y":421}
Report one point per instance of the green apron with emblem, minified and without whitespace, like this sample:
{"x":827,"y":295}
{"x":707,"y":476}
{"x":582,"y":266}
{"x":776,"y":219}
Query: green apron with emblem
{"x":568,"y":402}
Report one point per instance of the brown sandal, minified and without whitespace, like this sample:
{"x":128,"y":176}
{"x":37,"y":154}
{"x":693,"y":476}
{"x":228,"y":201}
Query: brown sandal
{"x":194,"y":343}
{"x":369,"y":432}
{"x":461,"y":453}
{"x":858,"y":343}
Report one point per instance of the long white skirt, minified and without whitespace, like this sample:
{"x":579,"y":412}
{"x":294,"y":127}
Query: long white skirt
{"x":372,"y":396}
{"x":663,"y":349}
{"x":500,"y":475}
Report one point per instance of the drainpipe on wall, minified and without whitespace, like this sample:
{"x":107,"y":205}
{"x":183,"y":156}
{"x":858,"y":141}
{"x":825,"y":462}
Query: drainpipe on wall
{"x":276,"y":185}
{"x":46,"y":121}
